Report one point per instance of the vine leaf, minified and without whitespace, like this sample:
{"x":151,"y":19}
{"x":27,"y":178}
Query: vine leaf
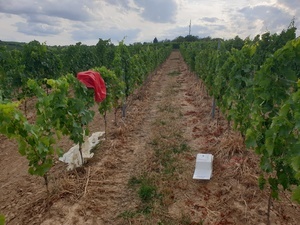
{"x":250,"y":139}
{"x":2,"y":220}
{"x":296,"y":195}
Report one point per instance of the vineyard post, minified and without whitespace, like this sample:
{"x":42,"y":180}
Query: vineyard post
{"x":80,"y":146}
{"x":213,"y":108}
{"x":124,"y":109}
{"x":214,"y":100}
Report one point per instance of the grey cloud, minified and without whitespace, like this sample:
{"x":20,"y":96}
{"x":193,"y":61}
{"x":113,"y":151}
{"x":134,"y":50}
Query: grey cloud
{"x":205,"y":31}
{"x":122,"y":3}
{"x":36,"y":18}
{"x":45,"y":17}
{"x":251,"y":27}
{"x":210,"y":19}
{"x":67,"y":9}
{"x":37,"y":29}
{"x":18,"y":7}
{"x":201,"y":31}
{"x":72,"y":10}
{"x":274,"y":19}
{"x":292,"y":4}
{"x":157,"y":10}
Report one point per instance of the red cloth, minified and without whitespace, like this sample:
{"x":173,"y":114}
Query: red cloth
{"x":93,"y":79}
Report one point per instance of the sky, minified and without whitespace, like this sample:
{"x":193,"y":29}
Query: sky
{"x":66,"y":22}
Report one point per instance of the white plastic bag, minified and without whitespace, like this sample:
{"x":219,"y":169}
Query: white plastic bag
{"x":73,"y":158}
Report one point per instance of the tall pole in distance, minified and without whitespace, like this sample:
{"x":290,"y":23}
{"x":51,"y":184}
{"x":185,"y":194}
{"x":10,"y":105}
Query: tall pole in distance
{"x":190,"y":27}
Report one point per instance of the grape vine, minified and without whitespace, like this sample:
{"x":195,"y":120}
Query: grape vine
{"x":257,"y":87}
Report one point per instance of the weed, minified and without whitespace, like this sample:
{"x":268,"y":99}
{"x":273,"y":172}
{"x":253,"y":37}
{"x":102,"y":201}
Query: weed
{"x":145,"y":209}
{"x":146,"y":189}
{"x":183,"y":147}
{"x":147,"y":192}
{"x":160,"y":122}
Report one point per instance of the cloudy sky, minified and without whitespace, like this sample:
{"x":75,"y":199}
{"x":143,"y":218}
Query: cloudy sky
{"x":65,"y":22}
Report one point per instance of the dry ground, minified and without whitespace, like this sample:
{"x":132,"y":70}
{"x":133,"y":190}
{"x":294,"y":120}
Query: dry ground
{"x":142,"y":173}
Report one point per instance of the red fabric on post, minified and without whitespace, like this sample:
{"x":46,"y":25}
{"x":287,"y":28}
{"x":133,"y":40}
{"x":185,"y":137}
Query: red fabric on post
{"x":93,"y":79}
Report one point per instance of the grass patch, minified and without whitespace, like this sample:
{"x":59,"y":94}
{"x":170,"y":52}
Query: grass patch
{"x":146,"y":189}
{"x":155,"y":186}
{"x":160,"y":122}
{"x":147,"y":192}
{"x":183,"y":147}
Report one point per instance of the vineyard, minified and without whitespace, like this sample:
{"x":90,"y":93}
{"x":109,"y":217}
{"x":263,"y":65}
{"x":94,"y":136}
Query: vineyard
{"x":236,"y":99}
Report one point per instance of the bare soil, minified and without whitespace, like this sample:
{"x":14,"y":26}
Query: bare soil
{"x":142,"y":173}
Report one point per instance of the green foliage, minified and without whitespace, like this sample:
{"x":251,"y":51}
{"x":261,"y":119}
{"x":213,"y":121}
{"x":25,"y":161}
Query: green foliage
{"x":132,"y":64}
{"x":40,"y":62}
{"x":2,"y":219}
{"x":114,"y":92}
{"x":66,"y":112}
{"x":35,"y":140}
{"x":147,"y":192}
{"x":114,"y":89}
{"x":58,"y":112}
{"x":64,"y":104}
{"x":11,"y":72}
{"x":78,"y":57}
{"x":104,"y":53}
{"x":121,"y":66}
{"x":296,"y":195}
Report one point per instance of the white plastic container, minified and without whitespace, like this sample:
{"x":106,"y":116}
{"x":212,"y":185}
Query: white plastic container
{"x":204,"y":167}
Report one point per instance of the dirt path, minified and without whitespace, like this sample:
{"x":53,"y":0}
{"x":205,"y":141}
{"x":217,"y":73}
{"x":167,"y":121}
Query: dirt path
{"x":143,"y":173}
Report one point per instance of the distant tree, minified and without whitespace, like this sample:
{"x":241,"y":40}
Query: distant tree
{"x":155,"y":40}
{"x":236,"y":43}
{"x":191,"y":38}
{"x":179,"y":39}
{"x":166,"y":41}
{"x":208,"y":38}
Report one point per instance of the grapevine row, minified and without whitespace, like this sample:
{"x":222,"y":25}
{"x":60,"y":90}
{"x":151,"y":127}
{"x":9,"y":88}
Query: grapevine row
{"x":257,"y":88}
{"x":63,"y":105}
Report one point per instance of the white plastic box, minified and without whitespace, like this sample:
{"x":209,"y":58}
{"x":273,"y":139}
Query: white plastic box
{"x":204,"y":167}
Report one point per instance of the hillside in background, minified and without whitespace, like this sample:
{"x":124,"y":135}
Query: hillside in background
{"x":12,"y":44}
